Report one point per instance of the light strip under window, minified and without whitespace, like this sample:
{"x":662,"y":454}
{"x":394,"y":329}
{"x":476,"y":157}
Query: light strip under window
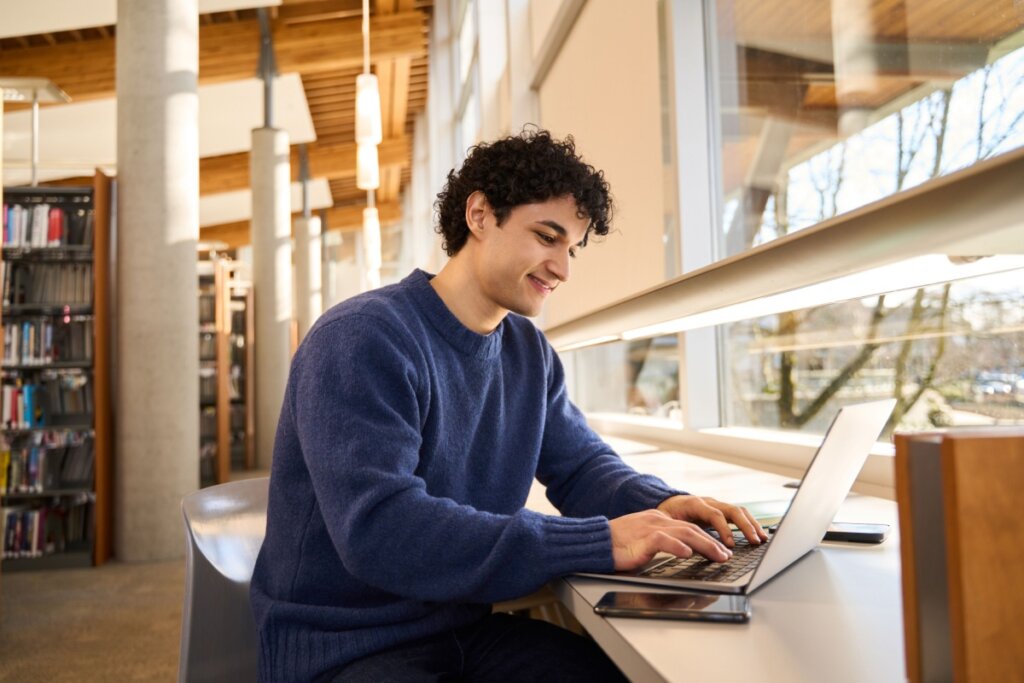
{"x":960,"y":225}
{"x":920,"y":271}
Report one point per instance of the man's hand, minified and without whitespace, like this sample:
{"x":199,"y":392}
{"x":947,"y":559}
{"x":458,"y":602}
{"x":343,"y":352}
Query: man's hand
{"x":638,"y":537}
{"x":716,"y":514}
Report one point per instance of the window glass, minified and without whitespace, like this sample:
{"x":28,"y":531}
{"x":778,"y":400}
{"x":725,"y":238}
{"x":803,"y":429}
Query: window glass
{"x":826,"y":106}
{"x":638,"y":377}
{"x":467,"y":41}
{"x":820,"y":108}
{"x":952,"y":354}
{"x":468,"y":130}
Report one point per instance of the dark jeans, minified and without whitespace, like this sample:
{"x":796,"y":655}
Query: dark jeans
{"x":501,"y":648}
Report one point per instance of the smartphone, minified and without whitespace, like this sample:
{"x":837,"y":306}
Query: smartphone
{"x":689,"y":606}
{"x":850,"y":532}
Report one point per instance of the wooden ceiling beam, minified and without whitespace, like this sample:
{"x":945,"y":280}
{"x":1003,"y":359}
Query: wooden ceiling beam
{"x":339,"y":218}
{"x":228,"y":52}
{"x":394,"y":76}
{"x":318,"y":10}
{"x":350,"y":216}
{"x":231,"y":171}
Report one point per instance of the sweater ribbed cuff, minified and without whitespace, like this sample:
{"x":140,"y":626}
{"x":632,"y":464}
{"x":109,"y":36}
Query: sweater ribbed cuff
{"x":577,"y":544}
{"x":647,"y":492}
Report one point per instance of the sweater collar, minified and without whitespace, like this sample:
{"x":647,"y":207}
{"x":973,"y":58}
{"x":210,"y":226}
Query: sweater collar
{"x":447,"y":325}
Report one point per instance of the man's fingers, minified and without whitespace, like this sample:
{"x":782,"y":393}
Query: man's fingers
{"x":761,"y":533}
{"x":683,"y":540}
{"x":742,"y":518}
{"x":717,"y":519}
{"x":662,"y":542}
{"x":637,"y":537}
{"x":748,"y":525}
{"x":699,"y":540}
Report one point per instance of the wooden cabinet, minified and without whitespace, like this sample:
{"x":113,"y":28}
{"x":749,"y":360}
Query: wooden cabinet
{"x":963,"y":587}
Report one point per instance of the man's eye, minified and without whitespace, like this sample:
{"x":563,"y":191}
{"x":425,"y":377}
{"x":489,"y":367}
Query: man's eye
{"x":548,"y":239}
{"x":572,"y":253}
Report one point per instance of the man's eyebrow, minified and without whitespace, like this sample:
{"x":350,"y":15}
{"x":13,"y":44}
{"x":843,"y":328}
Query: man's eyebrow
{"x":554,"y":225}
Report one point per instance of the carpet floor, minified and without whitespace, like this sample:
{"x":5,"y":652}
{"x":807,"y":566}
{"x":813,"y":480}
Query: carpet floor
{"x":118,"y":622}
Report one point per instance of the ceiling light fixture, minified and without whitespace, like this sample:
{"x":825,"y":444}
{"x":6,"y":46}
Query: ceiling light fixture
{"x":369,"y":130}
{"x":367,"y":167}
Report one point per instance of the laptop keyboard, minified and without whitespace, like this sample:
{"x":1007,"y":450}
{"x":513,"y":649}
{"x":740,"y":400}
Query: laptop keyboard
{"x":745,"y":558}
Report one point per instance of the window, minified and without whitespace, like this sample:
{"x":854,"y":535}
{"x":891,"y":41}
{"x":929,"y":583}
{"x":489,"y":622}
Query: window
{"x":466,"y":32}
{"x":467,"y":102}
{"x":468,"y":129}
{"x":823,"y":108}
{"x":638,"y":377}
{"x":800,"y":132}
{"x":951,"y":353}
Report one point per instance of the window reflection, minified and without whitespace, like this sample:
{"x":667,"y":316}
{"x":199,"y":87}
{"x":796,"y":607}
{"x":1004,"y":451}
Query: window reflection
{"x":639,"y":377}
{"x":827,"y":106}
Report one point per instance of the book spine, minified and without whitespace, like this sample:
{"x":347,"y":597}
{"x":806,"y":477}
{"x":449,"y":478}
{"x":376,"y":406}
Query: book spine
{"x":5,"y":465}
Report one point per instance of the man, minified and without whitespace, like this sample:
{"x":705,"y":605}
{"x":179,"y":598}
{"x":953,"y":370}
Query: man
{"x":415,"y":419}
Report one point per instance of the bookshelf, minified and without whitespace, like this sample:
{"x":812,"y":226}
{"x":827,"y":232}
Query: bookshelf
{"x":56,"y":469}
{"x":242,"y":371}
{"x":225,"y":370}
{"x":213,"y":401}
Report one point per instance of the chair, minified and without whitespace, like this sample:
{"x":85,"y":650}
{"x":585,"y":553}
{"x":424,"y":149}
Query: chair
{"x":224,"y":526}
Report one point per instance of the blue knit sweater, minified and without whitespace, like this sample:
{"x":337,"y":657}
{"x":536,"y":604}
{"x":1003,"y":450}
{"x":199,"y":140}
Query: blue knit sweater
{"x":405,"y":450}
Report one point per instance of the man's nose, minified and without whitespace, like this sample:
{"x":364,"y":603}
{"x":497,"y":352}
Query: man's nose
{"x":559,"y":266}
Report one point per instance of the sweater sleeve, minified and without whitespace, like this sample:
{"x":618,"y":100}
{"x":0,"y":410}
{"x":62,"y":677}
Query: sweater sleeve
{"x":582,"y":473}
{"x":357,"y":404}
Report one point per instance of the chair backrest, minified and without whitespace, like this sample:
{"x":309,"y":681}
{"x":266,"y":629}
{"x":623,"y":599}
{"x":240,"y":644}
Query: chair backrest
{"x":224,"y":526}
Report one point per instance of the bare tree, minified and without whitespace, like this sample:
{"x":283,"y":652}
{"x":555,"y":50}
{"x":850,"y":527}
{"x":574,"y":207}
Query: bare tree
{"x":912,"y":134}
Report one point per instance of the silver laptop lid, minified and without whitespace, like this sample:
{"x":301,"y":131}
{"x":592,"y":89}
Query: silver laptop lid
{"x":825,"y":485}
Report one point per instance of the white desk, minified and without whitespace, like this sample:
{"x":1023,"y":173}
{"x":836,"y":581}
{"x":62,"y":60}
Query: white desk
{"x":833,"y":616}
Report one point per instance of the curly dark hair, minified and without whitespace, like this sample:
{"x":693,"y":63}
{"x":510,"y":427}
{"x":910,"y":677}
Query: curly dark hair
{"x":522,"y":169}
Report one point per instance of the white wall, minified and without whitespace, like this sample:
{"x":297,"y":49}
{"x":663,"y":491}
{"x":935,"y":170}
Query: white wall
{"x":604,"y":90}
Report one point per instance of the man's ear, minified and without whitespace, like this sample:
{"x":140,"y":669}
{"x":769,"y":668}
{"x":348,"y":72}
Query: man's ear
{"x":476,"y":209}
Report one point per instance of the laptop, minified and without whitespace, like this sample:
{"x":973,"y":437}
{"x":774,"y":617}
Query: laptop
{"x":825,"y":485}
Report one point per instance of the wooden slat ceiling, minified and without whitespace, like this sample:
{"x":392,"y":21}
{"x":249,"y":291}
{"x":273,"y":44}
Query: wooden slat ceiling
{"x":319,"y":39}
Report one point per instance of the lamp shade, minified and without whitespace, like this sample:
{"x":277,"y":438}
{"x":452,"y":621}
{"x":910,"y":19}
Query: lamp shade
{"x":367,"y":167}
{"x":369,"y":130}
{"x":371,"y":238}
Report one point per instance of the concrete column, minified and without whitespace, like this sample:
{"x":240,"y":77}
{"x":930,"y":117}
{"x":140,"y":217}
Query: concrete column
{"x":270,"y":175}
{"x":157,"y":322}
{"x":329,"y":244}
{"x":309,"y":303}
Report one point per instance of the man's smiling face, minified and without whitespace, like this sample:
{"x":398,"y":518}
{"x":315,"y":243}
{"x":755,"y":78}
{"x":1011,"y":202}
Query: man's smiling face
{"x":525,"y":259}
